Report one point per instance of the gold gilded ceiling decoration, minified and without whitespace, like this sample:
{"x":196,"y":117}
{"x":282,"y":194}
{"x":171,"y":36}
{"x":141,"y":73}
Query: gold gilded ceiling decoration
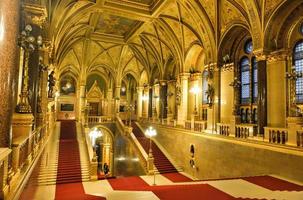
{"x":115,"y":25}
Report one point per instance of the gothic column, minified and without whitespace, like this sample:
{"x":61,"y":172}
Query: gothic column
{"x":139,"y":102}
{"x":109,"y":102}
{"x":182,"y":109}
{"x":276,"y":89}
{"x":145,"y":102}
{"x":82,"y":104}
{"x":163,"y":99}
{"x":9,"y":15}
{"x":117,"y":98}
{"x":262,"y":92}
{"x":171,"y":100}
{"x":156,"y":101}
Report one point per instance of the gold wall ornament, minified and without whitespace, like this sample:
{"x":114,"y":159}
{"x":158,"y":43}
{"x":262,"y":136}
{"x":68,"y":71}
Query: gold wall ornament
{"x":35,"y":14}
{"x":28,"y":43}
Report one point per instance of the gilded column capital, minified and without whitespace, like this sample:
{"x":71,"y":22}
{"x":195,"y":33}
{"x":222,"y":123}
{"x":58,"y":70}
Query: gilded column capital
{"x":184,"y":75}
{"x":261,"y":54}
{"x":140,"y":88}
{"x":228,"y":67}
{"x":280,"y":55}
{"x":163,"y":82}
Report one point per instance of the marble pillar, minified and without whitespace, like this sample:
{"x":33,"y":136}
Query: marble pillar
{"x":145,"y":102}
{"x":139,"y":102}
{"x":9,"y":23}
{"x":182,"y":109}
{"x":262,"y":96}
{"x":110,"y":102}
{"x":171,"y":99}
{"x":82,"y":104}
{"x":163,"y":99}
{"x":117,"y":99}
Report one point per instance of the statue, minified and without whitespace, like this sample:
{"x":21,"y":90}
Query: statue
{"x":178,"y":94}
{"x":51,"y":84}
{"x":210,"y":95}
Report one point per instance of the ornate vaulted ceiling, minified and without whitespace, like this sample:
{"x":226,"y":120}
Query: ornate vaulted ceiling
{"x":154,"y":37}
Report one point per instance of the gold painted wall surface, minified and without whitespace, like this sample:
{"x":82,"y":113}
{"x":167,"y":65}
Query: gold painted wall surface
{"x":218,"y":157}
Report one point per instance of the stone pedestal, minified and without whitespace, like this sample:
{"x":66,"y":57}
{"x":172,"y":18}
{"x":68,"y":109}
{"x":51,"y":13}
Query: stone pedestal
{"x":22,"y":125}
{"x":234,"y":120}
{"x":128,"y":130}
{"x":150,"y":165}
{"x":292,"y":133}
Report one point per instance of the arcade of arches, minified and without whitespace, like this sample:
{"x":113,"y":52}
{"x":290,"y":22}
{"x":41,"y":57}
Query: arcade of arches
{"x":223,"y":76}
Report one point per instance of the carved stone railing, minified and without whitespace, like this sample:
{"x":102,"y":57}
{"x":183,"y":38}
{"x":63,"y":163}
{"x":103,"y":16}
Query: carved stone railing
{"x":200,"y":125}
{"x":26,"y":148}
{"x":93,"y":163}
{"x":99,"y":119}
{"x":300,"y":138}
{"x":245,"y":130}
{"x":276,"y":135}
{"x":4,"y":159}
{"x":223,"y":129}
{"x":187,"y":124}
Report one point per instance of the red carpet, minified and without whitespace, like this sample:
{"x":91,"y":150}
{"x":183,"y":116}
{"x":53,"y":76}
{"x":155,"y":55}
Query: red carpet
{"x":69,"y":166}
{"x":171,"y":192}
{"x":73,"y":191}
{"x":177,"y":177}
{"x":133,"y":183}
{"x":273,"y":183}
{"x":190,"y":192}
{"x":69,"y":177}
{"x":161,"y":162}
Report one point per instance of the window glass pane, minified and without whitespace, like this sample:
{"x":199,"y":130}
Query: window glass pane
{"x":245,"y":81}
{"x":298,"y":57}
{"x":248,"y":48}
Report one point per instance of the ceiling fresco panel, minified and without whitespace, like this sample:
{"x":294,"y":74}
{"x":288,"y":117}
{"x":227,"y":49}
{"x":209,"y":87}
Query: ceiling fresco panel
{"x":115,"y":25}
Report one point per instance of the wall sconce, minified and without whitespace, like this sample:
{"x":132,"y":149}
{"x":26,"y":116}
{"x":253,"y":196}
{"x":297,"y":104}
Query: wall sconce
{"x":293,"y":75}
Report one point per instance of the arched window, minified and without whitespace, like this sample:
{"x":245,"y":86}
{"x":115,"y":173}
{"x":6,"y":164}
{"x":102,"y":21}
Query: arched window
{"x":298,"y":62}
{"x":245,"y":80}
{"x":204,"y":86}
{"x":255,"y":79}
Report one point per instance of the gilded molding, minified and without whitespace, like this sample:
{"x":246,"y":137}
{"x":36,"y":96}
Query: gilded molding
{"x":35,"y":14}
{"x":227,"y":67}
{"x":278,"y":56}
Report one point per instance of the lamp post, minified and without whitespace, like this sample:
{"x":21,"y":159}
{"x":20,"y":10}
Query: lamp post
{"x":151,"y":132}
{"x":28,"y":43}
{"x":195,"y":90}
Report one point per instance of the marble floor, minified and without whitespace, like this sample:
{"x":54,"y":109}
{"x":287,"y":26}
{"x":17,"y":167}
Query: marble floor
{"x":126,"y":163}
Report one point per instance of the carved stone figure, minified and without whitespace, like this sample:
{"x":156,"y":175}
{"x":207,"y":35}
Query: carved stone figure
{"x":51,"y":84}
{"x":178,"y":94}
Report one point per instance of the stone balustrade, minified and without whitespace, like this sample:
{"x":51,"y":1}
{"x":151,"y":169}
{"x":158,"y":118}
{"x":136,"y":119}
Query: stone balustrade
{"x":223,"y":129}
{"x":187,"y":125}
{"x":276,"y":135}
{"x":26,"y":148}
{"x":245,"y":130}
{"x":200,"y":125}
{"x":4,"y":178}
{"x":99,"y":119}
{"x":300,"y":138}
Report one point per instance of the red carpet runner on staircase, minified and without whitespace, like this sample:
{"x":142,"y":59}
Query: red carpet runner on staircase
{"x":163,"y":165}
{"x":69,"y":178}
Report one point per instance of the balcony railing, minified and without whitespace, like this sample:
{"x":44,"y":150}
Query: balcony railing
{"x":223,"y":129}
{"x":245,"y":130}
{"x":99,"y":119}
{"x":276,"y":135}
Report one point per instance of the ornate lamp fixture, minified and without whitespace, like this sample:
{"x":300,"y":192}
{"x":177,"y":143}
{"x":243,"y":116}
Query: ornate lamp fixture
{"x":28,"y":43}
{"x":294,"y":75}
{"x":236,"y":83}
